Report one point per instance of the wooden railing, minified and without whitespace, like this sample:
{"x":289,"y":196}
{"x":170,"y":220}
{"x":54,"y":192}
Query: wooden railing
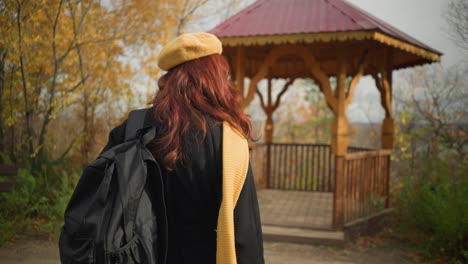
{"x":352,"y":149}
{"x":362,"y":185}
{"x":307,"y":167}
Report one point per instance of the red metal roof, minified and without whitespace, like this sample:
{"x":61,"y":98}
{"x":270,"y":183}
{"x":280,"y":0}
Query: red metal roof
{"x":280,"y":17}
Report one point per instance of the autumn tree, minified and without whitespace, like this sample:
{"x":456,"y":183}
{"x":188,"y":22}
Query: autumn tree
{"x":431,"y":105}
{"x":69,"y":69}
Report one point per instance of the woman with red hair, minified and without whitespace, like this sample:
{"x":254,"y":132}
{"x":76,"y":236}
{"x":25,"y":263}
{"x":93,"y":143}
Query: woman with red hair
{"x":201,"y":145}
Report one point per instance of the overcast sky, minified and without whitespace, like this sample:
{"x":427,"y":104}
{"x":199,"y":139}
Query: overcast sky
{"x":423,"y":20}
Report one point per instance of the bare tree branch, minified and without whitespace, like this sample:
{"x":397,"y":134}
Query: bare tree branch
{"x":457,"y":17}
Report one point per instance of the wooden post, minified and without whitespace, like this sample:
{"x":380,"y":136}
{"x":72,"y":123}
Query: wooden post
{"x":340,"y":131}
{"x":339,"y":145}
{"x":268,"y":108}
{"x":269,"y":131}
{"x":338,"y":201}
{"x":388,"y":124}
{"x":269,"y":113}
{"x":384,"y":85}
{"x":388,"y":129}
{"x":340,"y":137}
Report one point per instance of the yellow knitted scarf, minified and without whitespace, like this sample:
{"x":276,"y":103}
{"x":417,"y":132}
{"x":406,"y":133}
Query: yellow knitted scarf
{"x":235,"y":166}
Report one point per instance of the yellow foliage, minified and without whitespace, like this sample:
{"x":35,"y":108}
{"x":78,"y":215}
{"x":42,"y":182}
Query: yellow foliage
{"x":77,"y":59}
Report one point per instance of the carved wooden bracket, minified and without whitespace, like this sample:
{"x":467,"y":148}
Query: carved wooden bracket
{"x":352,"y":86}
{"x":270,"y":106}
{"x":383,"y":83}
{"x":311,"y":63}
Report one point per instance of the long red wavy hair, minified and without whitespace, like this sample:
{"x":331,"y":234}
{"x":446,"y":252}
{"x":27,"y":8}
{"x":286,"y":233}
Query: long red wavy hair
{"x":188,"y":93}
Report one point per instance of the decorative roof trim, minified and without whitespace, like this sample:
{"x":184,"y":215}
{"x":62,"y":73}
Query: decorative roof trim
{"x":329,"y":37}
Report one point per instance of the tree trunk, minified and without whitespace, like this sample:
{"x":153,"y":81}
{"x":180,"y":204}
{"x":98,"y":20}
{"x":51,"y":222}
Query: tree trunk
{"x":2,"y":89}
{"x":29,"y":132}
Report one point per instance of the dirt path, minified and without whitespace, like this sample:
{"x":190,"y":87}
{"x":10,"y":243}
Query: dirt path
{"x":381,"y":250}
{"x":384,"y":252}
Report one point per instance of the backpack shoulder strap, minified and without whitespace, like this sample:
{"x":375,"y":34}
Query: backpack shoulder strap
{"x":135,"y":121}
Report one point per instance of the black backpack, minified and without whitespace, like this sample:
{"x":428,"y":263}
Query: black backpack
{"x":112,"y":214}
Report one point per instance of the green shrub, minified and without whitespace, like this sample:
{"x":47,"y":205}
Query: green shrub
{"x":15,"y":209}
{"x":433,"y":210}
{"x":41,"y":197}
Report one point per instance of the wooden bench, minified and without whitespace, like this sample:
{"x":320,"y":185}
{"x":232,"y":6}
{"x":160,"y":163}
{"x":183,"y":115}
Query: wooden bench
{"x":7,"y":186}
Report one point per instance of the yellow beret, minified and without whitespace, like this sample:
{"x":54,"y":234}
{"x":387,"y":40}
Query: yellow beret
{"x":188,"y":47}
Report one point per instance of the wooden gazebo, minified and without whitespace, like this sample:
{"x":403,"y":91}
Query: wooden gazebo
{"x":319,"y":39}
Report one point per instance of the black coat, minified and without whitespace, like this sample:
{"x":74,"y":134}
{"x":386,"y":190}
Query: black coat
{"x":193,"y":197}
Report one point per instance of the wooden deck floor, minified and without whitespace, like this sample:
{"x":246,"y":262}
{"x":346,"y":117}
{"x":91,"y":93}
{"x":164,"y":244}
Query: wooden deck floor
{"x":299,"y":209}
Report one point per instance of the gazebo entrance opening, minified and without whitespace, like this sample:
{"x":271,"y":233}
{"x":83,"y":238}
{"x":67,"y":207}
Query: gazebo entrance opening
{"x":330,"y":186}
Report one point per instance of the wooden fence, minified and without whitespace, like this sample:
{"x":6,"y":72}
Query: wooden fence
{"x":305,"y":167}
{"x":362,"y":185}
